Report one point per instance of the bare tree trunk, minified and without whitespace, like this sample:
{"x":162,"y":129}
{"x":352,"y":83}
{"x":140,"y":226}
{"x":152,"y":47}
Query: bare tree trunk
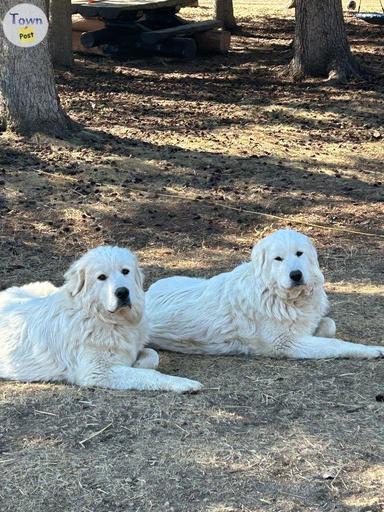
{"x":321,"y":47}
{"x":28,"y":97}
{"x":61,"y":33}
{"x":224,"y":13}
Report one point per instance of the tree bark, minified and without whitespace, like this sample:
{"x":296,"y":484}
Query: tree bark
{"x":28,"y":97}
{"x":321,"y":47}
{"x":224,"y":13}
{"x":61,"y":33}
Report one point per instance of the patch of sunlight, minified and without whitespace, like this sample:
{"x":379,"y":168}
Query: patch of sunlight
{"x":242,"y":239}
{"x":41,"y":227}
{"x":55,"y":177}
{"x":230,"y":462}
{"x":204,"y":258}
{"x":220,"y":508}
{"x":371,"y":478}
{"x":219,"y":414}
{"x":12,"y":392}
{"x":360,"y":288}
{"x":102,"y":208}
{"x":33,"y":442}
{"x":72,"y":214}
{"x":197,"y":264}
{"x":305,"y":114}
{"x":285,"y":114}
{"x":10,"y":193}
{"x":248,"y":8}
{"x":361,"y":501}
{"x":129,"y":164}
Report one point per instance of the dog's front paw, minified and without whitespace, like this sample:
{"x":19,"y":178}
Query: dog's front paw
{"x":147,"y":358}
{"x":181,"y":385}
{"x":375,"y":352}
{"x":326,"y":328}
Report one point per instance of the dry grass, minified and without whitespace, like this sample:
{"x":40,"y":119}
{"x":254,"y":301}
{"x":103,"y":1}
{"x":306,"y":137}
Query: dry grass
{"x":263,"y":435}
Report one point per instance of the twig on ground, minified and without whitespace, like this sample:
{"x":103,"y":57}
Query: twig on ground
{"x":94,"y":434}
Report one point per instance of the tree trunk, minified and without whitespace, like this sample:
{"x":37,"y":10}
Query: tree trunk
{"x":61,"y":33}
{"x":224,"y":13}
{"x":28,"y":97}
{"x":321,"y":47}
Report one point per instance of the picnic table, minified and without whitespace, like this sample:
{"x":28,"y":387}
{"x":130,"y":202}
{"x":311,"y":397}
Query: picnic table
{"x":141,"y":27}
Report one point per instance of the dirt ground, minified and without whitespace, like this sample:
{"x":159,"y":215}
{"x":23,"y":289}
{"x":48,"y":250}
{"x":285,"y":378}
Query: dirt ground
{"x":215,"y":134}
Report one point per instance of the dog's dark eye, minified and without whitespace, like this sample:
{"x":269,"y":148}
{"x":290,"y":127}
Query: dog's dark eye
{"x":102,"y":277}
{"x":278,"y":258}
{"x":125,"y":271}
{"x":299,"y":253}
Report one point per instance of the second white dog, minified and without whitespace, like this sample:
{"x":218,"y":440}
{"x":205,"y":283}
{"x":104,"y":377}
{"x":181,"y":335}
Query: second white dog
{"x":273,"y":306}
{"x":90,"y":332}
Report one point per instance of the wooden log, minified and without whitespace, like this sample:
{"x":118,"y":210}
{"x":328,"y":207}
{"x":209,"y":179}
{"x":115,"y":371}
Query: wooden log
{"x":213,"y":41}
{"x":181,"y":30}
{"x":78,"y":47}
{"x":102,"y":36}
{"x":179,"y":47}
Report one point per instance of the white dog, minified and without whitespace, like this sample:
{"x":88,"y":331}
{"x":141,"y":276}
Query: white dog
{"x":273,"y":306}
{"x":89,"y":332}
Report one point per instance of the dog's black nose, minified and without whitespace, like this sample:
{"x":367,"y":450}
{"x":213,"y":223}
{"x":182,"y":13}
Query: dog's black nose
{"x":122,"y":293}
{"x":296,"y":275}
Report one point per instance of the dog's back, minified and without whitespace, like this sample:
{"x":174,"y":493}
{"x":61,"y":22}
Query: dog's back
{"x":19,"y":294}
{"x":165,"y":299}
{"x":192,"y":315}
{"x":171,"y":284}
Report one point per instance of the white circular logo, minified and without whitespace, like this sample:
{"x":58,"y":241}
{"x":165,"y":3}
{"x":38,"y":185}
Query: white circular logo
{"x":25,"y":25}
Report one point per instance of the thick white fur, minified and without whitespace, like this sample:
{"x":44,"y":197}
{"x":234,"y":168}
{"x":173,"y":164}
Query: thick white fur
{"x":79,"y":332}
{"x":255,"y":309}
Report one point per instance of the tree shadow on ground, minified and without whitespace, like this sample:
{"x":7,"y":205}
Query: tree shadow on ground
{"x":258,"y":169}
{"x":119,"y":201}
{"x":249,"y":76}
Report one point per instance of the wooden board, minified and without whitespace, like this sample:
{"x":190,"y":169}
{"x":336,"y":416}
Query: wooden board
{"x":155,"y":36}
{"x":114,"y":8}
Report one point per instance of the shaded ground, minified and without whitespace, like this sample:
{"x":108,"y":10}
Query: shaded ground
{"x":219,"y":132}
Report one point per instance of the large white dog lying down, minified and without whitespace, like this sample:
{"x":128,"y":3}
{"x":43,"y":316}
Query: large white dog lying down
{"x":273,"y":306}
{"x":89,"y":332}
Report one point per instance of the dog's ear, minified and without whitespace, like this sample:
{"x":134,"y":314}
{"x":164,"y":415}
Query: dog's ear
{"x":311,"y":251}
{"x":258,"y":254}
{"x":314,"y":260}
{"x":139,"y":277}
{"x":75,"y":278}
{"x":313,"y":254}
